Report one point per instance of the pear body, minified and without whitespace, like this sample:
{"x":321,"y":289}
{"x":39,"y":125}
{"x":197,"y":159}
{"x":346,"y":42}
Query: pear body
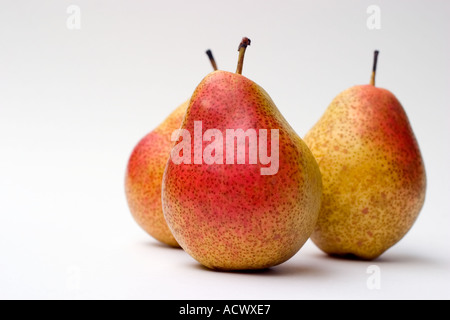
{"x":144,"y":177}
{"x":373,"y":174}
{"x":230,"y":216}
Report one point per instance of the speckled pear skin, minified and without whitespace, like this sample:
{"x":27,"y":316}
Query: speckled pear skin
{"x":229,"y":216}
{"x":144,"y":177}
{"x":373,"y":173}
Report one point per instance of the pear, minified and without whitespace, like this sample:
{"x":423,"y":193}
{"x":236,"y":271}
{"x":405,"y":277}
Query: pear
{"x":373,"y":174}
{"x":231,"y":214}
{"x":145,"y":171}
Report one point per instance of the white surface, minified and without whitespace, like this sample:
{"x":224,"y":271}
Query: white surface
{"x":74,"y":103}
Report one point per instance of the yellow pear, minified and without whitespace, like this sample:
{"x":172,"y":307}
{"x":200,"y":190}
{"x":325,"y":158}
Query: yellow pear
{"x":372,"y":169}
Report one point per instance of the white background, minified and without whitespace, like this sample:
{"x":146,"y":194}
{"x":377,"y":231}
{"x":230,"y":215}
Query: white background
{"x":74,"y":103}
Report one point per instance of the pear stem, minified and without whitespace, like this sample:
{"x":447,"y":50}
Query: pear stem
{"x":211,"y":59}
{"x":242,"y":47}
{"x":374,"y":68}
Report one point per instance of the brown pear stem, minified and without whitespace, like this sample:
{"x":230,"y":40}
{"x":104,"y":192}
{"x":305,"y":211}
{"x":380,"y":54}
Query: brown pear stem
{"x":242,"y":47}
{"x":374,"y":68}
{"x":211,"y":59}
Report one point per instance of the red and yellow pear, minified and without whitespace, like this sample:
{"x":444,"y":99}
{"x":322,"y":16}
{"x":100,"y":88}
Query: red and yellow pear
{"x":236,"y":215}
{"x":145,"y":172}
